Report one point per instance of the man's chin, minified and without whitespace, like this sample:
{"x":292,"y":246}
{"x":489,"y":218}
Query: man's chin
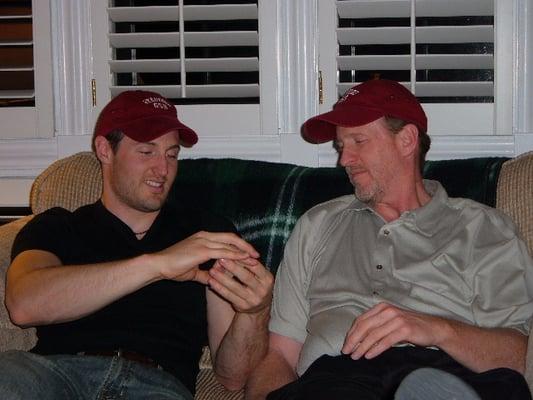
{"x":364,"y":196}
{"x":152,"y":205}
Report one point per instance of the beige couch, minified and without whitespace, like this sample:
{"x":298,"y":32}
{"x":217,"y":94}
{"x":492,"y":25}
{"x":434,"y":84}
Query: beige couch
{"x":75,"y":181}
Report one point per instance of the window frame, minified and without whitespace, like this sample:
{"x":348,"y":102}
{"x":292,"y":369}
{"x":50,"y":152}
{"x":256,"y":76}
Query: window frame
{"x":36,"y":121}
{"x":295,"y":81}
{"x":470,"y":119}
{"x":225,"y":120}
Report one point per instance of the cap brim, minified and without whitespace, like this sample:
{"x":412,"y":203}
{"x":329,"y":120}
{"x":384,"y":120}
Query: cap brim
{"x":147,"y":129}
{"x":322,"y":128}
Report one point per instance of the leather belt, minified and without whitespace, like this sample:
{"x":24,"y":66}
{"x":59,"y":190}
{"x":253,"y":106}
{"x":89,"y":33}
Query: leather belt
{"x":125,"y":354}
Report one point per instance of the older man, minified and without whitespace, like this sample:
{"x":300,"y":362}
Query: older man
{"x":120,"y":290}
{"x":401,"y":277}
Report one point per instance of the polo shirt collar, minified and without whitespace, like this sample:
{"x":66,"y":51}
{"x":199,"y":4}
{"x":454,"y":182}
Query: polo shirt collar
{"x":423,"y":218}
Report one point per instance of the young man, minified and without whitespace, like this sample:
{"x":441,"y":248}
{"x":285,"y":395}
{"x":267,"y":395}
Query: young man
{"x":120,"y":290}
{"x":399,"y":277}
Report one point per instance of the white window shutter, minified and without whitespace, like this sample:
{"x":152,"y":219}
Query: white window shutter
{"x":25,"y":102}
{"x":442,"y":50}
{"x":214,"y":72}
{"x":179,"y":86}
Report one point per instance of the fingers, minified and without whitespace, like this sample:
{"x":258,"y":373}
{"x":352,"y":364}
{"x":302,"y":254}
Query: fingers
{"x":219,"y":251}
{"x":201,"y":276}
{"x":377,"y":341}
{"x":361,"y":326}
{"x":182,"y":260}
{"x":375,"y":331}
{"x":248,"y":287}
{"x":229,"y":239}
{"x":223,"y":245}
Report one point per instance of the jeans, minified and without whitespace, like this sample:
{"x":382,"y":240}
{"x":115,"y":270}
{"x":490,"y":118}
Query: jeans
{"x":26,"y":376}
{"x":434,"y":384}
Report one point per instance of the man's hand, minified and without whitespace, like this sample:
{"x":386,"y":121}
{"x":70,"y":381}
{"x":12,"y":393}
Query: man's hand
{"x":385,"y":325}
{"x":245,"y":283}
{"x":238,"y":305}
{"x":181,"y":261}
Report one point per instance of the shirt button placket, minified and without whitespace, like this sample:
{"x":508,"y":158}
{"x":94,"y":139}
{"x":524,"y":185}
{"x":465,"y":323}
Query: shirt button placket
{"x":380,"y":259}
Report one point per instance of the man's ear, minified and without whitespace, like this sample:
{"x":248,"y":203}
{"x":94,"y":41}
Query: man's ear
{"x":103,"y":149}
{"x":408,"y":139}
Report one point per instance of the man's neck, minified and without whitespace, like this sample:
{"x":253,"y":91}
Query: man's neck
{"x":407,"y":198}
{"x":138,"y":221}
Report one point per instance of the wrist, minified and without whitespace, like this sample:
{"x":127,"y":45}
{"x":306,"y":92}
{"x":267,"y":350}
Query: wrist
{"x":260,"y":316}
{"x":148,"y":264}
{"x":445,"y":333}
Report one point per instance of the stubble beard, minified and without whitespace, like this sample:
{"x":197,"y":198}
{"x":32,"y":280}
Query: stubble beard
{"x":368,"y":195}
{"x":125,"y":191}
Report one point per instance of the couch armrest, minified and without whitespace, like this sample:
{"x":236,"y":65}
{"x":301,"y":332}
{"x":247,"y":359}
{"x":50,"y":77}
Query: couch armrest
{"x":11,"y":336}
{"x":515,"y":198}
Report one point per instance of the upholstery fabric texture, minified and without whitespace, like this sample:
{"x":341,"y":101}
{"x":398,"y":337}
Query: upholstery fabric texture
{"x":518,"y":173}
{"x":11,"y":337}
{"x":69,"y":183}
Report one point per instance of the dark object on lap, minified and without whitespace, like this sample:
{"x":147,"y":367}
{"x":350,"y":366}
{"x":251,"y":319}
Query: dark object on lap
{"x":341,"y":378}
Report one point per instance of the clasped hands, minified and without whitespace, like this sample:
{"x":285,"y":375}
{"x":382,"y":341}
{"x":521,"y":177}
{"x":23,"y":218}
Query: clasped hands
{"x":237,"y":275}
{"x":384,"y":326}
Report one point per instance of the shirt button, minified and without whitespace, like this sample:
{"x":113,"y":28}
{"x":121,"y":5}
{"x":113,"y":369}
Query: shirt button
{"x":375,"y":293}
{"x":379,"y":266}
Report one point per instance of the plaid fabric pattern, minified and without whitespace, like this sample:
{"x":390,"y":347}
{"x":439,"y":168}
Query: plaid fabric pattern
{"x":264,"y":200}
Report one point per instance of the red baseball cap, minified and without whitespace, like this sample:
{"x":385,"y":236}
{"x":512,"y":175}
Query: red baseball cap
{"x":363,"y":104}
{"x":142,"y":116}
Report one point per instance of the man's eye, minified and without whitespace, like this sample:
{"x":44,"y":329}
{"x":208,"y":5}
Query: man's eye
{"x":173,"y":156}
{"x":146,"y":153}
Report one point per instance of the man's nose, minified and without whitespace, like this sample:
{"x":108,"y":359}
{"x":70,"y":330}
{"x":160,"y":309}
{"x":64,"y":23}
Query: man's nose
{"x":161,"y":165}
{"x":347,"y":157}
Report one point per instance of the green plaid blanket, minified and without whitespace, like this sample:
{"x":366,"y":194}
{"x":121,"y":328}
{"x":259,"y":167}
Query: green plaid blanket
{"x":264,"y":200}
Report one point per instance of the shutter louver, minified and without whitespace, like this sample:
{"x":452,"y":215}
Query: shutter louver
{"x":16,"y":55}
{"x":220,"y":63}
{"x":445,"y":54}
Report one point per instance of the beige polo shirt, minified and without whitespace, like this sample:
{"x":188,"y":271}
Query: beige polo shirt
{"x":453,"y":257}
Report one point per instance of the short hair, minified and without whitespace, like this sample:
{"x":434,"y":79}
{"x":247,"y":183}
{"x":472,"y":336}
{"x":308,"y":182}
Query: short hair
{"x":395,"y":125}
{"x":114,"y":137}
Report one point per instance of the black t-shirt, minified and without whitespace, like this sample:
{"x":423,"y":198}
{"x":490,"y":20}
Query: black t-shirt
{"x":165,"y":320}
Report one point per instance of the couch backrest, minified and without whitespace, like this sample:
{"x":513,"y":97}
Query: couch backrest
{"x":70,"y":182}
{"x":262,"y":199}
{"x":515,"y":194}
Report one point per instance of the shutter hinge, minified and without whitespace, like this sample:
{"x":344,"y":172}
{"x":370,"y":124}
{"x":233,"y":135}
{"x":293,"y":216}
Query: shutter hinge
{"x":93,"y":91}
{"x":320,"y":89}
